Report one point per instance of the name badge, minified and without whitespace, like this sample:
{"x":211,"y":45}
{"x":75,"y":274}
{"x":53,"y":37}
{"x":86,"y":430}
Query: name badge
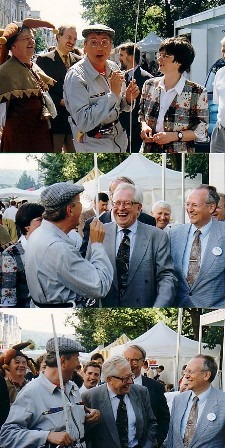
{"x":217,"y":251}
{"x":211,"y":417}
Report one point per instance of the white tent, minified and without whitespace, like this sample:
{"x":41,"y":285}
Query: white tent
{"x":148,"y":176}
{"x":150,"y":43}
{"x":160,"y":344}
{"x":18,"y":193}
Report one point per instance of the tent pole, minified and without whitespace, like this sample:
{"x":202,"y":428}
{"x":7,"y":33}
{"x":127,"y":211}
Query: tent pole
{"x":163,"y":176}
{"x":96,"y":183}
{"x":179,"y":328}
{"x":182,"y":187}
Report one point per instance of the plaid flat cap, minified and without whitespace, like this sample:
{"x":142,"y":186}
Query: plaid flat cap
{"x":59,"y":194}
{"x":98,"y":28}
{"x":66,"y":345}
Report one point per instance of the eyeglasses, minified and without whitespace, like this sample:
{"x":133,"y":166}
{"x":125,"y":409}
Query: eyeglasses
{"x":192,"y":372}
{"x":188,"y":205}
{"x":124,"y":204}
{"x":125,"y":379}
{"x":136,"y":360}
{"x":163,"y":55}
{"x":99,"y":43}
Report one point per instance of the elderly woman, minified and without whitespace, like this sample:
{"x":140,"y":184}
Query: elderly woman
{"x":24,"y":86}
{"x":173,"y":110}
{"x":14,"y":285}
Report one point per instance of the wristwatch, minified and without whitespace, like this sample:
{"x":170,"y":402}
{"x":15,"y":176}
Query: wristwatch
{"x":180,"y":136}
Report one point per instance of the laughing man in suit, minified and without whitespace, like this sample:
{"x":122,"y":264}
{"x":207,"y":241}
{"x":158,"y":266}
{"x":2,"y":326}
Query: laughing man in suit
{"x":207,"y":288}
{"x":209,"y":431}
{"x":141,"y":425}
{"x":56,"y":63}
{"x":150,"y":279}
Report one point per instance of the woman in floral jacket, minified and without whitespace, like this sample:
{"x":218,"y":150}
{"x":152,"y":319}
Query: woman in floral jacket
{"x":173,"y":110}
{"x":14,"y":285}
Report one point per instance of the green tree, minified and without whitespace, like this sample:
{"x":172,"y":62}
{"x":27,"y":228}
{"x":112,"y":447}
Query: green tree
{"x":25,"y":181}
{"x":40,"y":42}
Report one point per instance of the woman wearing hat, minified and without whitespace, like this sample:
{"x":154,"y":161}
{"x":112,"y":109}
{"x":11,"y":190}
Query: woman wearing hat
{"x":24,"y":86}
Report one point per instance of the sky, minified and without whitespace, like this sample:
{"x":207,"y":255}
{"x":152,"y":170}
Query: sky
{"x":40,"y":319}
{"x":60,"y":13}
{"x":17,"y":162}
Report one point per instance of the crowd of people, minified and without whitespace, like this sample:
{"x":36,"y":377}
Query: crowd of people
{"x":126,"y":258}
{"x":111,"y":403}
{"x":76,"y":101}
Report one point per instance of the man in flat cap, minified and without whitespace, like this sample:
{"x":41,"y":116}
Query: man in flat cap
{"x":24,"y":86}
{"x":95,"y":94}
{"x":56,"y":272}
{"x":38,"y":416}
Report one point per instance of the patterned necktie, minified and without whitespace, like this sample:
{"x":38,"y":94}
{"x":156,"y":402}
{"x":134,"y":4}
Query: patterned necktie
{"x":66,"y":61}
{"x":191,"y":422}
{"x":127,"y":79}
{"x":122,"y":261}
{"x":195,"y":259}
{"x":122,"y":422}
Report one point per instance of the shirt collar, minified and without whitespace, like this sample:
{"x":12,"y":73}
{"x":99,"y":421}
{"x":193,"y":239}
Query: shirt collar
{"x":204,"y":230}
{"x":132,"y":228}
{"x":178,"y":87}
{"x":203,"y":396}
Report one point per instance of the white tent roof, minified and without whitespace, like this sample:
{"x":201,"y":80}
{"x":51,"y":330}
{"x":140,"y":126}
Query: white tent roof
{"x":150,"y":43}
{"x":15,"y":193}
{"x":161,"y":341}
{"x":145,"y":173}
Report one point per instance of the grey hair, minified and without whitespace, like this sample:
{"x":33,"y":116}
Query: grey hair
{"x":222,"y":41}
{"x":161,"y":203}
{"x":112,"y":366}
{"x":209,"y":363}
{"x":137,"y":194}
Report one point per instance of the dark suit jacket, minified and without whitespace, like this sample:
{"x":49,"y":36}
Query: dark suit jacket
{"x":140,"y":76}
{"x":5,"y":405}
{"x":105,"y":433}
{"x":159,"y":407}
{"x":151,"y":280}
{"x":52,"y":64}
{"x":210,"y":429}
{"x":105,"y":218}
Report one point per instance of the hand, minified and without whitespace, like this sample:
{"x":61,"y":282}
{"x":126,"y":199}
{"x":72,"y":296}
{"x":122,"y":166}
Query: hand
{"x":116,"y":81}
{"x":97,"y":231}
{"x":161,"y":138}
{"x":60,"y":438}
{"x":146,"y":133}
{"x":132,"y":91}
{"x":93,"y":415}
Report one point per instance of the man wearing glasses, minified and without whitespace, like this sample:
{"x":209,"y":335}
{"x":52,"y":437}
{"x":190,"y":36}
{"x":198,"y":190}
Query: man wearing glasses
{"x":140,"y":255}
{"x":126,"y":419}
{"x":198,"y":414}
{"x":95,"y":93}
{"x":198,"y":252}
{"x":136,"y":355}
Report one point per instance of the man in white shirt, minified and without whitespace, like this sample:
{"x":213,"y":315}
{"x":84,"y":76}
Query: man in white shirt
{"x":218,"y":135}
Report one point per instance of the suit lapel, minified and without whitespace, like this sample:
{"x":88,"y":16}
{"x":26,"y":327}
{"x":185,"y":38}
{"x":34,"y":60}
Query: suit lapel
{"x":215,"y":236}
{"x":135,"y":401}
{"x":140,"y":246}
{"x":107,"y":415}
{"x":110,"y":247}
{"x":211,"y":406}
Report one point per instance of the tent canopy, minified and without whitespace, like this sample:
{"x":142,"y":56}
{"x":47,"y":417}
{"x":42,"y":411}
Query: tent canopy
{"x":150,"y":43}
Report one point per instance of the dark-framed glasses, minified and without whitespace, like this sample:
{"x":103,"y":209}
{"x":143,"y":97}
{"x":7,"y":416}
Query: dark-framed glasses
{"x":125,"y":379}
{"x":124,"y":204}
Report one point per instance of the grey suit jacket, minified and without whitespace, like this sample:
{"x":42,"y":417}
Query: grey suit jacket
{"x":105,"y":433}
{"x":209,"y":288}
{"x":151,"y":278}
{"x":208,"y":434}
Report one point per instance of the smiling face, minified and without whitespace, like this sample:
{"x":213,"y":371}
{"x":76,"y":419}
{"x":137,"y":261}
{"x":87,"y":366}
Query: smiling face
{"x":121,"y":385}
{"x":197,"y":378}
{"x":67,"y":41}
{"x":125,"y":210}
{"x":97,"y":53}
{"x":23,"y":47}
{"x":166,"y":62}
{"x":162,"y":216}
{"x":18,"y":368}
{"x":199,"y":211}
{"x":91,"y":377}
